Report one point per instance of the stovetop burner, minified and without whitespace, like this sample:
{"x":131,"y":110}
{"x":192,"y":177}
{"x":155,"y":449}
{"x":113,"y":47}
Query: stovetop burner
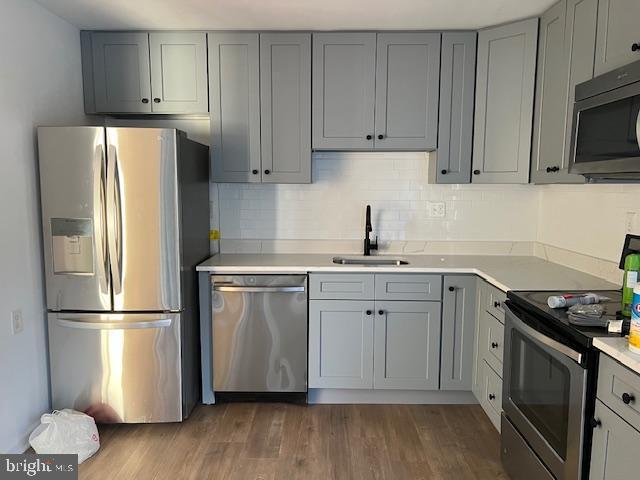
{"x":536,"y":303}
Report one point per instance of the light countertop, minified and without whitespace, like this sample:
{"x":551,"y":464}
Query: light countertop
{"x":617,"y":347}
{"x":505,"y":272}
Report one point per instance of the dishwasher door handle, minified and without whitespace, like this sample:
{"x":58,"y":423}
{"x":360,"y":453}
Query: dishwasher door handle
{"x":234,"y":288}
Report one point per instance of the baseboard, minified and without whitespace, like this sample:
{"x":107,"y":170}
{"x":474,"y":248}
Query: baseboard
{"x":416,"y":397}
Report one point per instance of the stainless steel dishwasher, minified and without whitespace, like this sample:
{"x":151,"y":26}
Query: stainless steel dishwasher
{"x":259,"y":333}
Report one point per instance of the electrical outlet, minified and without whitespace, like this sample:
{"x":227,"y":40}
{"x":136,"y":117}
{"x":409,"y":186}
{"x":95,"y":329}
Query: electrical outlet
{"x":17,"y":324}
{"x":629,"y":222}
{"x":436,"y":209}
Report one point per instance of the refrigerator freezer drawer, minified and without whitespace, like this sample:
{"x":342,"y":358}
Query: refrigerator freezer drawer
{"x":119,"y":368}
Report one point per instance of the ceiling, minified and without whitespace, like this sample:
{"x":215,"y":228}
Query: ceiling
{"x":292,"y":14}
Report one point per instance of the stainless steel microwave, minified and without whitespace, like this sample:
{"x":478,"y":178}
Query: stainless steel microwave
{"x":606,"y":126}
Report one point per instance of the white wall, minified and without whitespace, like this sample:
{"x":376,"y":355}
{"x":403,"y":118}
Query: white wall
{"x":40,"y":83}
{"x":396,"y":185}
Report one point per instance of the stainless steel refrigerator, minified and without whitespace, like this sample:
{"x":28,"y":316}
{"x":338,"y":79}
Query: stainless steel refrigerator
{"x":125,"y":216}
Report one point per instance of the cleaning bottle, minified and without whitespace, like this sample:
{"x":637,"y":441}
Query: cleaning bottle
{"x":629,"y":281}
{"x":634,"y":328}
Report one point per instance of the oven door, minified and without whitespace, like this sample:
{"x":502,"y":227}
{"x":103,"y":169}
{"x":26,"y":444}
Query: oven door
{"x":544,"y":394}
{"x":606,"y":134}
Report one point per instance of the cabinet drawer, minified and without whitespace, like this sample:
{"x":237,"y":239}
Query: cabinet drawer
{"x":341,"y":286}
{"x":495,"y":343}
{"x":408,"y":287}
{"x":617,"y":383}
{"x":492,"y":394}
{"x":494,"y":302}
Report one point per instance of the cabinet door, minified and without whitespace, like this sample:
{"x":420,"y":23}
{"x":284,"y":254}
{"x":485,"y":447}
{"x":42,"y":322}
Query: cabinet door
{"x":457,"y":88}
{"x":550,"y":113}
{"x":407,"y":345}
{"x":344,"y":68}
{"x":234,"y":87}
{"x":505,"y":82}
{"x":340,"y":344}
{"x":615,"y":444}
{"x":458,"y":323}
{"x":285,"y":107}
{"x":121,"y":72}
{"x":179,"y":72}
{"x":617,"y":34}
{"x":407,"y":89}
{"x":579,"y":45}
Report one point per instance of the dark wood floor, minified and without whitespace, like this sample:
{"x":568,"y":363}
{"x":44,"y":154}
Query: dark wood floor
{"x":251,"y":441}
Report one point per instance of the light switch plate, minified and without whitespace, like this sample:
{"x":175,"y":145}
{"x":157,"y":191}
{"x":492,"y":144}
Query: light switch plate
{"x":436,"y":209}
{"x":17,"y":323}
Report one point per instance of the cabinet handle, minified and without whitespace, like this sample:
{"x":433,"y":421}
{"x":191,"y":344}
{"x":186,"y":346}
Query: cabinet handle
{"x":555,"y":169}
{"x":368,"y":312}
{"x":476,"y":172}
{"x":494,"y":345}
{"x":443,"y":171}
{"x":380,"y":137}
{"x":380,"y":312}
{"x":548,"y":169}
{"x":369,"y":137}
{"x":452,"y":289}
{"x":254,"y":171}
{"x":145,"y":100}
{"x":156,"y":100}
{"x":627,"y":398}
{"x":492,"y":396}
{"x":595,"y":423}
{"x":496,"y":304}
{"x":635,"y":47}
{"x":267,"y":172}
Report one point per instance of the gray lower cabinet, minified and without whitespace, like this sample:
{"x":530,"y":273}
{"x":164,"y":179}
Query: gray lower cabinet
{"x":341,"y":344}
{"x":285,"y":107}
{"x":459,"y":304}
{"x":141,"y":72}
{"x":618,"y":39}
{"x":407,"y":89}
{"x":565,"y":58}
{"x":406,"y":345}
{"x":344,"y":66}
{"x":120,"y":74}
{"x":234,"y":86}
{"x":179,"y":72}
{"x":505,"y":82}
{"x":457,"y":89}
{"x":614,"y":447}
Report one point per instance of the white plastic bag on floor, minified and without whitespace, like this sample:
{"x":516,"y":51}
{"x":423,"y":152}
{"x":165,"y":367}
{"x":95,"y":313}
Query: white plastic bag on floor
{"x":66,"y":431}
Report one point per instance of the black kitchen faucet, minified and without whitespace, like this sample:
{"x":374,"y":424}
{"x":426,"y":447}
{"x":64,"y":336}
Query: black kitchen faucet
{"x":368,"y":244}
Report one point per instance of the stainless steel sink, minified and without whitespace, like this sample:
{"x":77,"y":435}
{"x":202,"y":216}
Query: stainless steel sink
{"x":370,"y":261}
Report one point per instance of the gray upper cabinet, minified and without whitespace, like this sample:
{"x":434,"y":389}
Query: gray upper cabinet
{"x":285,"y":104}
{"x":407,"y":345}
{"x":343,"y":90}
{"x":458,"y":323}
{"x":457,"y":89}
{"x":617,"y":34}
{"x":565,"y":54}
{"x":407,"y":88}
{"x":120,"y":73}
{"x":505,"y":83}
{"x":614,"y":446}
{"x":234,"y":86}
{"x":179,"y":72}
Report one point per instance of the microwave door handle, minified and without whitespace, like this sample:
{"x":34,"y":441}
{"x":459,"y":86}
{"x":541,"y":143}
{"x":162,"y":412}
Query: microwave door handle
{"x":99,"y":218}
{"x":114,"y":218}
{"x":543,"y":339}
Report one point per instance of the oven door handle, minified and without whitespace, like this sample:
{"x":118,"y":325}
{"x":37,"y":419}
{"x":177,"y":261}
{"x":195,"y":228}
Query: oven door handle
{"x":541,"y":338}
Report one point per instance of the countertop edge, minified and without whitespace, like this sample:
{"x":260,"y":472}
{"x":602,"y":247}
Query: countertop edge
{"x":616,"y":348}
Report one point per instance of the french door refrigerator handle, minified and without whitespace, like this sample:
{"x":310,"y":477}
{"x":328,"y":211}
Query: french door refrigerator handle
{"x":88,"y":323}
{"x":99,"y":218}
{"x":115,"y":219}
